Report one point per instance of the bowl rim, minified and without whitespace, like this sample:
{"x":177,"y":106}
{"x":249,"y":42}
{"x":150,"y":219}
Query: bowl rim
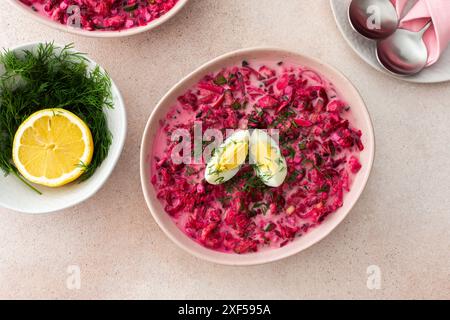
{"x":120,"y":139}
{"x":100,"y":34}
{"x":152,"y":119}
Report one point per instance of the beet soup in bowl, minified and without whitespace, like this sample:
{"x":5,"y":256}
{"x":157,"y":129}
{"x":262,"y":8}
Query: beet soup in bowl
{"x":240,"y":215}
{"x":101,"y":19}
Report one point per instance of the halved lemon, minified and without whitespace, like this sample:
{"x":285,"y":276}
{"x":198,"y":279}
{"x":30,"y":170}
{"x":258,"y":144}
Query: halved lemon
{"x":52,"y":147}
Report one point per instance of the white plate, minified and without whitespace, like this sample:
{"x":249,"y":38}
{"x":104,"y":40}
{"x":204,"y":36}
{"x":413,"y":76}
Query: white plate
{"x":439,"y":72}
{"x":99,"y":34}
{"x":17,"y":196}
{"x":361,"y":120}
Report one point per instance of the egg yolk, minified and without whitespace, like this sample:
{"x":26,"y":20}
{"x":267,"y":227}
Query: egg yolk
{"x":233,"y":156}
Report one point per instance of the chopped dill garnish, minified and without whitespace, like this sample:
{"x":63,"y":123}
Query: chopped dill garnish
{"x":291,"y":151}
{"x":220,"y":80}
{"x":225,"y":200}
{"x":190,"y":171}
{"x":254,"y":183}
{"x":52,"y":77}
{"x":261,"y":206}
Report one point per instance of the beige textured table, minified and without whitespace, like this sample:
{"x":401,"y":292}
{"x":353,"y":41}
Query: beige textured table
{"x":400,"y":227}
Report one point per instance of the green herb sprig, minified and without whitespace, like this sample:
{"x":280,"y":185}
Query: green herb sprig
{"x":52,"y":77}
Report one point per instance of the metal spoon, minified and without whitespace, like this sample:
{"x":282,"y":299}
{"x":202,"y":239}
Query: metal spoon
{"x":374,"y":19}
{"x":404,"y":52}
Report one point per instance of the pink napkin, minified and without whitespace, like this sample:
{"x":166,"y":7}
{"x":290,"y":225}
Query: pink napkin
{"x":437,"y":37}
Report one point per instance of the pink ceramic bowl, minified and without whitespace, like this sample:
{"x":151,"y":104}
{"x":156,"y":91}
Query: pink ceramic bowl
{"x":361,"y":120}
{"x":99,"y":34}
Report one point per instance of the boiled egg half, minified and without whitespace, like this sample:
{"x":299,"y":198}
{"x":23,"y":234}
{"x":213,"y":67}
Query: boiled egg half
{"x":265,"y":156}
{"x":228,"y":158}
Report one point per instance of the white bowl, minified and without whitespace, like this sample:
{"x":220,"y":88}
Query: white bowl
{"x":99,"y":34}
{"x":362,"y":121}
{"x":15,"y":195}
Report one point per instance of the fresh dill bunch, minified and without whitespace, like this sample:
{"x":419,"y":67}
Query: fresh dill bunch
{"x":53,"y":77}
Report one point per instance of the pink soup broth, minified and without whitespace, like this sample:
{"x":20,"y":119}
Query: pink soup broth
{"x":316,"y":137}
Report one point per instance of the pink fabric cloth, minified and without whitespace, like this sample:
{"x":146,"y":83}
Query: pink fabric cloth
{"x":437,"y":37}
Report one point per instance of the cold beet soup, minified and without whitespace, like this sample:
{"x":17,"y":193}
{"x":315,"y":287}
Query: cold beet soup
{"x":316,"y":140}
{"x":106,"y":15}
